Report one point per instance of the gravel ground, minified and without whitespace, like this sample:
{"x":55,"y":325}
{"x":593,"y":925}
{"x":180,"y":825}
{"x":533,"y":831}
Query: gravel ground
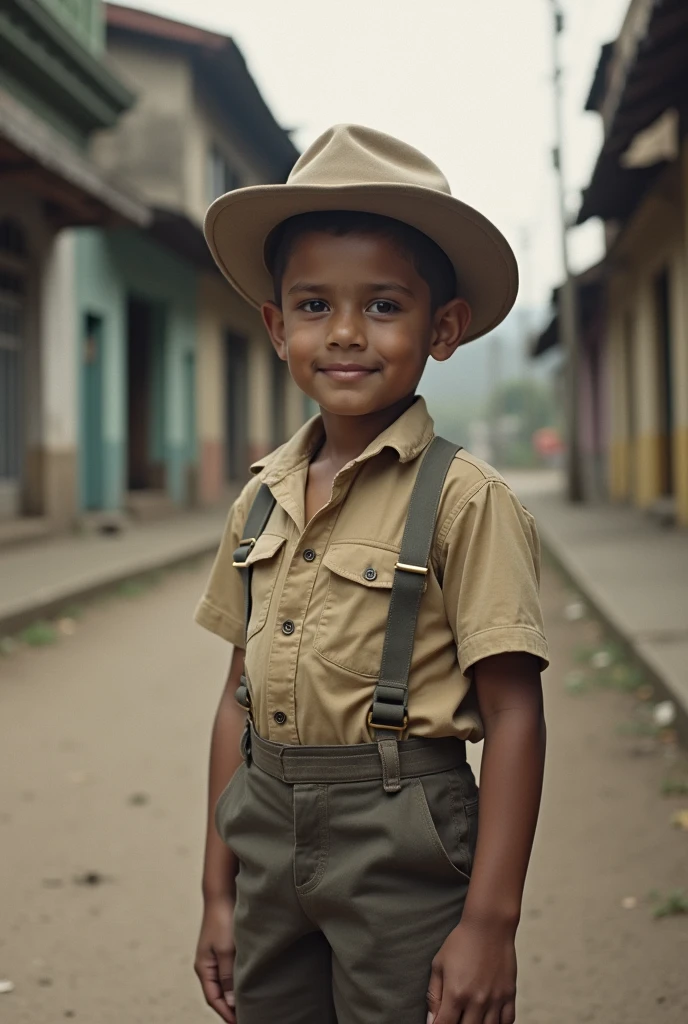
{"x":103,"y":747}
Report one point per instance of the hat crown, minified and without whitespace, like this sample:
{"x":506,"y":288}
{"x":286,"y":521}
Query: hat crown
{"x":350,"y":154}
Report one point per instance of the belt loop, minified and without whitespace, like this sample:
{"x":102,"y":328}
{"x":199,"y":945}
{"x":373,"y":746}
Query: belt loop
{"x":391,"y":769}
{"x":283,"y":776}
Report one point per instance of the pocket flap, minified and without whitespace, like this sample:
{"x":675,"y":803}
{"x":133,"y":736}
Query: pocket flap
{"x":363,"y":563}
{"x":267,"y":546}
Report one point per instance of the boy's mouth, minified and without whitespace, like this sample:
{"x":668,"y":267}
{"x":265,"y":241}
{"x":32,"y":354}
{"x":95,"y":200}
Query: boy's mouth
{"x":347,"y":371}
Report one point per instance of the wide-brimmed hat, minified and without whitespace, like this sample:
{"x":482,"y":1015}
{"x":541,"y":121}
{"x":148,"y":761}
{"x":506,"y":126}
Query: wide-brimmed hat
{"x":350,"y":167}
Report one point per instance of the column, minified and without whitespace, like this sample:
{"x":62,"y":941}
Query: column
{"x":59,"y":380}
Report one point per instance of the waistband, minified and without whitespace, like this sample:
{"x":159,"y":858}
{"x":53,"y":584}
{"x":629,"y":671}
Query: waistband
{"x":357,"y":763}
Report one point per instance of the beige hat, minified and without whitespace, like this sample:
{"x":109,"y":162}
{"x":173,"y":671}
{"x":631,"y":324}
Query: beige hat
{"x":354,"y":168}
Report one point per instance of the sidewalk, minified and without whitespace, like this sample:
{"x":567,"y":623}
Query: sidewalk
{"x":632,"y":571}
{"x":39,"y":579}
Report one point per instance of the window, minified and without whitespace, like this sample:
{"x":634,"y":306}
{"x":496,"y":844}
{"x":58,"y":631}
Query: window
{"x":221,"y":176}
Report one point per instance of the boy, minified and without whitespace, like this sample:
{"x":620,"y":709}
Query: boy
{"x":381,"y":587}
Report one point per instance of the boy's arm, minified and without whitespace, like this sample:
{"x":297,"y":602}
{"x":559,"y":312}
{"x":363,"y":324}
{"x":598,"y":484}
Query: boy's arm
{"x":214,"y":963}
{"x":474,"y":974}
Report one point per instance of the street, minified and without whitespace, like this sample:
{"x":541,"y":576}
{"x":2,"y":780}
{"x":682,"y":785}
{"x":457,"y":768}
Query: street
{"x":103,"y":748}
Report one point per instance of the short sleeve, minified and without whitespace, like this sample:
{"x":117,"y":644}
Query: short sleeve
{"x":221,"y":609}
{"x":491,"y":577}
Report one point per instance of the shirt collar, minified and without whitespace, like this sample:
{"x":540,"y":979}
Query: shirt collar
{"x":409,"y":435}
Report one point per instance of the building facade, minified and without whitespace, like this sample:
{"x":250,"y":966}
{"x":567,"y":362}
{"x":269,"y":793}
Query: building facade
{"x":55,"y":92}
{"x":193,"y":391}
{"x":639,"y":189}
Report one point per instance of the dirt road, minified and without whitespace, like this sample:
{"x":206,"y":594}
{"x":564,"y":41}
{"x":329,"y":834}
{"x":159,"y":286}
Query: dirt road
{"x":103,"y":745}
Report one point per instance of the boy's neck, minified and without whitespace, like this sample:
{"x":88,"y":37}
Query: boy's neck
{"x":347,"y":437}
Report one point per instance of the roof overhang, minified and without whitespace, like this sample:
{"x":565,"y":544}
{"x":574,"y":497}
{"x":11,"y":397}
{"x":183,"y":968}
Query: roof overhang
{"x":181,"y":235}
{"x":39,"y":53}
{"x":589,"y":289}
{"x":41,"y":160}
{"x":648,"y":75}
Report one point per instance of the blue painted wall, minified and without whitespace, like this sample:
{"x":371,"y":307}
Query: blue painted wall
{"x":112,"y":267}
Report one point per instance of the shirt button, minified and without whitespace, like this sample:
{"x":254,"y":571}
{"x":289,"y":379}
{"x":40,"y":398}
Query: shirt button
{"x":370,"y":574}
{"x":288,"y":627}
{"x":309,"y":555}
{"x":280,"y":717}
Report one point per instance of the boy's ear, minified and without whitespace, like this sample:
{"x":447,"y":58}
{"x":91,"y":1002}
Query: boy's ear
{"x":273,"y":318}
{"x":450,"y":324}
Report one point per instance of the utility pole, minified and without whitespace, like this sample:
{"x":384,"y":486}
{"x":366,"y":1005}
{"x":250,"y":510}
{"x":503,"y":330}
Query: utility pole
{"x":568,"y":312}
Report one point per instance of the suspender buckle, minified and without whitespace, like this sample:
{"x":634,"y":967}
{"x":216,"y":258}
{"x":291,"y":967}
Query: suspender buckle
{"x":419,"y":570}
{"x":247,"y":542}
{"x":388,"y":728}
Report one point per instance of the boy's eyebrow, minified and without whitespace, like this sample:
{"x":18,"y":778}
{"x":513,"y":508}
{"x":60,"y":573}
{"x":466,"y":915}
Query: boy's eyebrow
{"x":380,"y":286}
{"x":390,"y":286}
{"x":305,"y":286}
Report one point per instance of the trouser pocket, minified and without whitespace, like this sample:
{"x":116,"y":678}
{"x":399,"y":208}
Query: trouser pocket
{"x":448,"y":802}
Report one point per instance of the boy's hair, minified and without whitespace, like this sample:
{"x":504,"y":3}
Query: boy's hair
{"x":431,"y":263}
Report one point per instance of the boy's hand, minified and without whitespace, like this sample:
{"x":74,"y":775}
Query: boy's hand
{"x":214,"y":962}
{"x":473,"y":977}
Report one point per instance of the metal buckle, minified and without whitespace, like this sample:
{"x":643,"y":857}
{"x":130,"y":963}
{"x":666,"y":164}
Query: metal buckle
{"x":387,"y":728}
{"x":419,"y":570}
{"x":251,"y":543}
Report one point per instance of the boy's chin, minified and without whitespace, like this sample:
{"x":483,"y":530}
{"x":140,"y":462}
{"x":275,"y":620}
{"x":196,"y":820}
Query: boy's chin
{"x":353,"y":405}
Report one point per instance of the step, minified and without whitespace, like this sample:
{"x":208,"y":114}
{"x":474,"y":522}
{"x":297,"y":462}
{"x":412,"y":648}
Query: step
{"x":150,"y":506}
{"x":24,"y":530}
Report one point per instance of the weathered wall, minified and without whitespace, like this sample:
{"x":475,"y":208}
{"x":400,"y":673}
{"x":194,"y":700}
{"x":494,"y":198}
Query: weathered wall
{"x":654,"y":241}
{"x":221,"y":310}
{"x":47,"y":485}
{"x":148,"y":148}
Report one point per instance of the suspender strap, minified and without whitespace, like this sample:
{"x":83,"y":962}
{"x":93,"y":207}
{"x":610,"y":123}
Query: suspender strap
{"x":388,"y":717}
{"x":258,"y":517}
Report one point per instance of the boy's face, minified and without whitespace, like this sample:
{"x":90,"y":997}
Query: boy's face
{"x":356,"y":324}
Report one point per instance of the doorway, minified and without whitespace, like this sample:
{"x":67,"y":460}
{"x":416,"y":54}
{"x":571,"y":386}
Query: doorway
{"x":629,"y":393}
{"x":145,"y":397}
{"x":13,"y":307}
{"x":92,"y":413}
{"x":236,"y":407}
{"x":665,"y":414}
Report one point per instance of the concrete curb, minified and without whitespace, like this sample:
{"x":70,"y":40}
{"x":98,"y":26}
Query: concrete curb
{"x":604,"y":609}
{"x":48,"y":602}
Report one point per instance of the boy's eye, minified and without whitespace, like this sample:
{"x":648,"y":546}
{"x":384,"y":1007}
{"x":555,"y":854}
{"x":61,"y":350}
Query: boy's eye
{"x":314,"y":306}
{"x":383,"y":307}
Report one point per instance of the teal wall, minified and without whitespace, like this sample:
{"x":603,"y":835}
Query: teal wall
{"x":112,"y":267}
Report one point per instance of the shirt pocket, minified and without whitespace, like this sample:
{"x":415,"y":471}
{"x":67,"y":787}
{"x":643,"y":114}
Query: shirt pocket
{"x":353,"y":620}
{"x":265,"y":560}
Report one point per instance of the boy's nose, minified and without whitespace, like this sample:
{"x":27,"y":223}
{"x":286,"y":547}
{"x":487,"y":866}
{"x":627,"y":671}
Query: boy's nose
{"x":346,"y":332}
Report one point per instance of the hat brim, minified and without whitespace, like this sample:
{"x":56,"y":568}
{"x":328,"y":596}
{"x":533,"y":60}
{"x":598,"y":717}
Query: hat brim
{"x":238,"y":224}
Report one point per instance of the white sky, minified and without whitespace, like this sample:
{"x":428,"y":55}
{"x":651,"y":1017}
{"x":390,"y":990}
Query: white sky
{"x":466,"y":81}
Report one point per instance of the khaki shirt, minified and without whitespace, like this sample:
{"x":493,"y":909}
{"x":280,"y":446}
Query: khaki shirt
{"x":314,"y":641}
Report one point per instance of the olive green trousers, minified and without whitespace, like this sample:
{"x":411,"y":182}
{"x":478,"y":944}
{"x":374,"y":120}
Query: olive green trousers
{"x":345,"y":892}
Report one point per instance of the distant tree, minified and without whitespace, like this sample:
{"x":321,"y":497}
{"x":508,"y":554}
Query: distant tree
{"x":517,"y":409}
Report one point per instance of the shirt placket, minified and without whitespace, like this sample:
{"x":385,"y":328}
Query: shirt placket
{"x":305,"y":559}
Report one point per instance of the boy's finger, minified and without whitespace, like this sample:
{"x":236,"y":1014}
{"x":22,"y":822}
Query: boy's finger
{"x":508,"y":1014}
{"x":215,"y":997}
{"x":474,"y":1013}
{"x":434,"y":996}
